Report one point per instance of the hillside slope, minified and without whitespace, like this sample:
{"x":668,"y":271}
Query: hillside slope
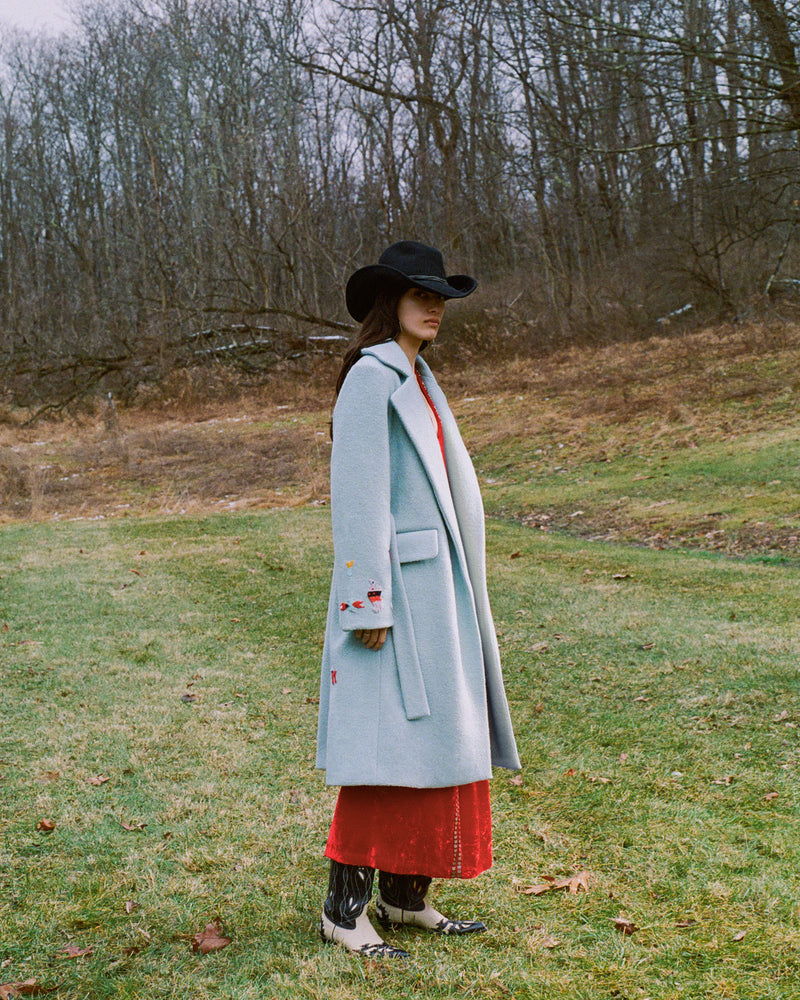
{"x":688,"y":440}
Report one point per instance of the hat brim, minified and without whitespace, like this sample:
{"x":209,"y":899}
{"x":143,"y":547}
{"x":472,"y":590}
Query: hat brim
{"x":365,"y":284}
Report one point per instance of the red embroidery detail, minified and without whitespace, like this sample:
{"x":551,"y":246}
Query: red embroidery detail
{"x":358,"y":604}
{"x":344,"y":606}
{"x":333,"y":676}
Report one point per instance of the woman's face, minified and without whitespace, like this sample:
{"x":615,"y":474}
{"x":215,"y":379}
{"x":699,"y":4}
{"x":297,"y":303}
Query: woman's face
{"x":420,"y":313}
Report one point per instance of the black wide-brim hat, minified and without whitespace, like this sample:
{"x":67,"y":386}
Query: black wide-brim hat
{"x":407,"y":265}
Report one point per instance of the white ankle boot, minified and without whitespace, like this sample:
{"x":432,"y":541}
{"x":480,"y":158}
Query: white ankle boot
{"x":363,"y":938}
{"x":427,"y":918}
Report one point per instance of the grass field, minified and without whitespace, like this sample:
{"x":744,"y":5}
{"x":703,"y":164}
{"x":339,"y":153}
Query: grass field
{"x":158,"y":710}
{"x":163,"y":582}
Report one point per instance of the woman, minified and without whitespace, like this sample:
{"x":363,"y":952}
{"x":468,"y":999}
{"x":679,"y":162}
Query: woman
{"x":412,"y":709}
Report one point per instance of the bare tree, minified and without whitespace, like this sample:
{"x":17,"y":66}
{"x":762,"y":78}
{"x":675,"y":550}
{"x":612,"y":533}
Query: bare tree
{"x":182,"y":168}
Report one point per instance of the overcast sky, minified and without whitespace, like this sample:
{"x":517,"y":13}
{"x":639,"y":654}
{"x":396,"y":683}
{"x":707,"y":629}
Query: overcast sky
{"x":51,"y":16}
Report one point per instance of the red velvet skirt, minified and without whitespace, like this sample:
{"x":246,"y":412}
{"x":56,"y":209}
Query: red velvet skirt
{"x":438,"y":832}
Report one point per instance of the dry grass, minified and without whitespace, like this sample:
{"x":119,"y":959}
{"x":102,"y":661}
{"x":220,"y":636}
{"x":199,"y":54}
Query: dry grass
{"x":193,"y":454}
{"x":681,"y":381}
{"x":205,"y":441}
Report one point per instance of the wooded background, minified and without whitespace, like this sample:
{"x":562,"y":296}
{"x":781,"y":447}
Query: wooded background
{"x":178,"y":177}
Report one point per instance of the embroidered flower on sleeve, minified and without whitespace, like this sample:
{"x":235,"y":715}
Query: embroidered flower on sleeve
{"x":351,"y":606}
{"x":374,"y":595}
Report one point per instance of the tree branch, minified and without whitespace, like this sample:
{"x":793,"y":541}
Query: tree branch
{"x":775,"y":27}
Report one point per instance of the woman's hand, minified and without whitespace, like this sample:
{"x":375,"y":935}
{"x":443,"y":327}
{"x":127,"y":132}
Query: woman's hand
{"x":373,"y":638}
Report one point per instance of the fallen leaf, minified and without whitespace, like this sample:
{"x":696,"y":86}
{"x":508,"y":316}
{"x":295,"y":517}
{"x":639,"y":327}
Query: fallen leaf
{"x":286,"y":690}
{"x":539,"y":647}
{"x":188,"y":698}
{"x":516,"y":780}
{"x":781,"y":716}
{"x":600,"y":781}
{"x":648,"y":645}
{"x":27,"y":988}
{"x":132,"y":827}
{"x":540,"y":939}
{"x":622,"y":758}
{"x":739,"y":936}
{"x":515,"y":555}
{"x":641,"y":698}
{"x":131,"y":905}
{"x":45,"y":826}
{"x":312,"y":701}
{"x":688,"y":922}
{"x":549,"y":883}
{"x":533,"y":890}
{"x":75,"y":951}
{"x":727,"y":780}
{"x":538,"y":709}
{"x":770,"y":795}
{"x":210,"y":939}
{"x":574,"y":883}
{"x":98,"y":779}
{"x":621,"y":576}
{"x":624,"y":926}
{"x":5,"y":627}
{"x":570,"y":772}
{"x":43,"y":779}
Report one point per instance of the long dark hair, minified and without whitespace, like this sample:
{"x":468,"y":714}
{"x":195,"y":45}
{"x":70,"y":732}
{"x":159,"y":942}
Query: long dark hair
{"x":380,"y":324}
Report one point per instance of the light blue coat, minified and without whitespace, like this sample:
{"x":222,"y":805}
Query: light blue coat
{"x":428,"y":709}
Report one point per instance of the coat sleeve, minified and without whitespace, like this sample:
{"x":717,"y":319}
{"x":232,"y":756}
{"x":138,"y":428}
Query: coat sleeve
{"x":360,"y":498}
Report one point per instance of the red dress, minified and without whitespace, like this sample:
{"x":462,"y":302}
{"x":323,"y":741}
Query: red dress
{"x":438,"y":832}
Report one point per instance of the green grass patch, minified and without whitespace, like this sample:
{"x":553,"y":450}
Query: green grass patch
{"x":655,"y":696}
{"x":736,"y":495}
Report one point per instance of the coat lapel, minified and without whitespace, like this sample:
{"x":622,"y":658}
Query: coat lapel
{"x":410,"y":407}
{"x":464,"y":487}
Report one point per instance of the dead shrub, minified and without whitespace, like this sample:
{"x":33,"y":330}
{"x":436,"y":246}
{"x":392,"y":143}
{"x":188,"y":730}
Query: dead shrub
{"x":20,"y":486}
{"x":13,"y":479}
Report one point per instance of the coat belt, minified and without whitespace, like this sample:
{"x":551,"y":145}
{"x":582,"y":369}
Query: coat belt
{"x":409,"y":671}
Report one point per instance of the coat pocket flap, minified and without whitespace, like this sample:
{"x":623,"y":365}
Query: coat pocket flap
{"x":414,"y":546}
